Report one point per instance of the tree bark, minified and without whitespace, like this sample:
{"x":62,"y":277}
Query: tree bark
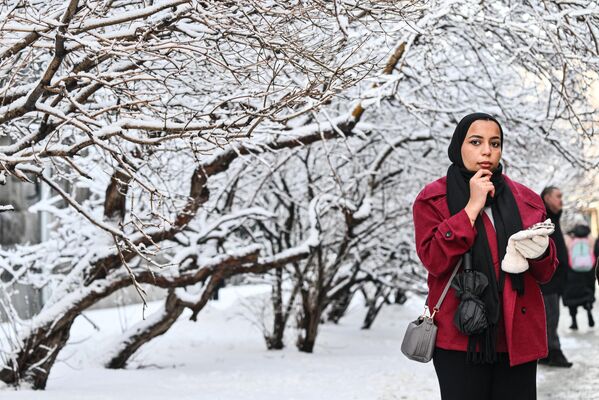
{"x":275,"y":340}
{"x":374,"y":306}
{"x":38,"y":353}
{"x":308,"y":322}
{"x":339,"y":306}
{"x":154,"y":326}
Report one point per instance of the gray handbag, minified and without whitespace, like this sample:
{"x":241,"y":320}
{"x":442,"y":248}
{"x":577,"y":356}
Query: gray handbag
{"x":419,"y":340}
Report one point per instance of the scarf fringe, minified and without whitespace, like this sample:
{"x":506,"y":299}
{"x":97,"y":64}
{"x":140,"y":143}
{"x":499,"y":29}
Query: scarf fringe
{"x":485,"y":342}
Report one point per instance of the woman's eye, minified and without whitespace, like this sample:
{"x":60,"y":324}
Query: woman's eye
{"x":475,"y":142}
{"x":496,"y":144}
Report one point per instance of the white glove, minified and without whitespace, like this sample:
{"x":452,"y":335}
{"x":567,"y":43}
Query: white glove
{"x":533,"y":247}
{"x":528,"y":243}
{"x":533,"y":242}
{"x":513,"y":262}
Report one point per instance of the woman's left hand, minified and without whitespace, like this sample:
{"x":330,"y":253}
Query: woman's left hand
{"x":531,"y":243}
{"x":532,"y":247}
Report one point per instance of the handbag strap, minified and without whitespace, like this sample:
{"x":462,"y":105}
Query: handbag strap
{"x":445,"y":290}
{"x":455,"y":271}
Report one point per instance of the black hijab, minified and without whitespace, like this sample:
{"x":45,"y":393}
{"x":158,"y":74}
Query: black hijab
{"x":507,"y":221}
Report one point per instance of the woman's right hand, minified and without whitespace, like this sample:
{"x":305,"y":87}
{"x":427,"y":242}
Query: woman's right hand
{"x":480,"y":186}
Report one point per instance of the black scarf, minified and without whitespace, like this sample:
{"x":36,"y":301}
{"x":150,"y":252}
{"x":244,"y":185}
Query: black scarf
{"x":507,"y":221}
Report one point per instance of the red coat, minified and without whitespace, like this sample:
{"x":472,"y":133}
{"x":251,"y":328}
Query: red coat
{"x":441,"y":239}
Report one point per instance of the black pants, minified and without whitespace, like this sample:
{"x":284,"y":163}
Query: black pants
{"x":461,"y":381}
{"x":552,"y":312}
{"x":574,"y":309}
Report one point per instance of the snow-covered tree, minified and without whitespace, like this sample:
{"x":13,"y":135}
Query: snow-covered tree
{"x":153,"y":110}
{"x":196,"y":129}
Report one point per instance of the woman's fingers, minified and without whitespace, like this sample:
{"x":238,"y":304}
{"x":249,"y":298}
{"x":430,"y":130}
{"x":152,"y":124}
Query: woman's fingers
{"x":540,"y":239}
{"x":489,"y":188}
{"x":532,"y":247}
{"x":485,"y":173}
{"x":478,"y":174}
{"x":482,"y":176}
{"x":527,"y":245}
{"x":480,"y":187}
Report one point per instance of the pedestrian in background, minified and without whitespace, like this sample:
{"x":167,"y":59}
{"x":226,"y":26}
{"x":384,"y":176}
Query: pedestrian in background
{"x":552,"y":197}
{"x":580,"y":283}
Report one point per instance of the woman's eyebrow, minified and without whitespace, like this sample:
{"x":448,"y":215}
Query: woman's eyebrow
{"x":480,"y":137}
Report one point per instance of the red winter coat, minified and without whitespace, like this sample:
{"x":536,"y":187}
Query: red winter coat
{"x":441,"y":239}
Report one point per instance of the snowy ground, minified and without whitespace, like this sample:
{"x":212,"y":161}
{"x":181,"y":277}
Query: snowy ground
{"x":581,"y":382}
{"x":222,"y":357}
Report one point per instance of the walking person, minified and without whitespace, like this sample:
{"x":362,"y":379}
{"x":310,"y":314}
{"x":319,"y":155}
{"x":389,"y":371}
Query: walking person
{"x":596,"y":252}
{"x":579,"y":290}
{"x":475,"y":209}
{"x":552,"y":197}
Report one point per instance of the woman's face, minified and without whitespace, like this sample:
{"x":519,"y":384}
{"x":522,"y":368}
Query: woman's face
{"x":482,"y":147}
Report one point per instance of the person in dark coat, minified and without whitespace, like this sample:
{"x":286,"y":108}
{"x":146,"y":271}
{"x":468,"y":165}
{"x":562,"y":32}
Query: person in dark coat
{"x":477,"y":209}
{"x":552,"y":197}
{"x":597,"y":259}
{"x":580,"y":285}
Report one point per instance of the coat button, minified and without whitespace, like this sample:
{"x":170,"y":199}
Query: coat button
{"x":448,"y":234}
{"x":523,"y":310}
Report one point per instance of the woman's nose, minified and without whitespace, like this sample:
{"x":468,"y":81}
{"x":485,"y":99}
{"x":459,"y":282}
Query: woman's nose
{"x":486,"y":149}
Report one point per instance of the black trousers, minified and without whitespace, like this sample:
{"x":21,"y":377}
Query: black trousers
{"x":552,"y":311}
{"x":459,"y":380}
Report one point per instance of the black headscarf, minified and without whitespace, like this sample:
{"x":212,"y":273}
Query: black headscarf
{"x":507,"y":221}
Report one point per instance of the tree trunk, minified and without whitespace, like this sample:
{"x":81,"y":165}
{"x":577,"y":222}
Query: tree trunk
{"x":339,"y":306}
{"x":33,"y":363}
{"x":374,"y":306}
{"x":400,"y":296}
{"x":34,"y":360}
{"x":161,"y":321}
{"x":313,"y":304}
{"x":275,"y":340}
{"x":308,"y":322}
{"x":156,"y":325}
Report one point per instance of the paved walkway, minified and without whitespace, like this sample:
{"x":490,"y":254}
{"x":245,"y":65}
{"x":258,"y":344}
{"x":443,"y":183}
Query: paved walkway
{"x":581,"y":382}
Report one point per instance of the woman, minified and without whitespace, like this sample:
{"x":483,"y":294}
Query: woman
{"x":580,"y":282}
{"x":476,"y":209}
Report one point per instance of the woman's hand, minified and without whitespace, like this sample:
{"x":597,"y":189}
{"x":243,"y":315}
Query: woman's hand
{"x":534,"y":241}
{"x":480,"y":186}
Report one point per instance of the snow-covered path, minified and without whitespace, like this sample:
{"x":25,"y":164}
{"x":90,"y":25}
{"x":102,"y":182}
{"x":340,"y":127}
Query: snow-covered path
{"x":222,"y":357}
{"x":581,"y":382}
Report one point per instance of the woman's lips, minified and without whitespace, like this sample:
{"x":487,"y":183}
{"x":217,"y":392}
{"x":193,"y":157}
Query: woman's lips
{"x":485,"y":165}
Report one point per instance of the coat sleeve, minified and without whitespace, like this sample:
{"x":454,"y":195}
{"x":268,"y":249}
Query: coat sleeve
{"x":440,"y":242}
{"x":542,"y":269}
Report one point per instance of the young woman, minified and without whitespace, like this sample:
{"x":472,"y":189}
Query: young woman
{"x":476,"y":209}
